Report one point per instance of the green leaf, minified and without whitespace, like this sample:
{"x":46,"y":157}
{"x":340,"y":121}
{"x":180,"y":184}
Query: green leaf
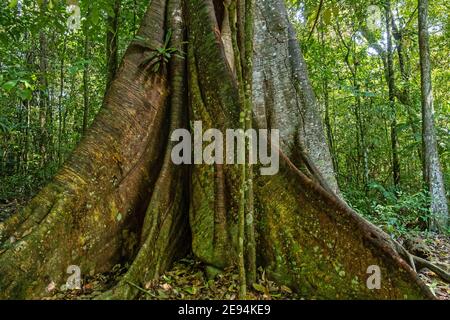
{"x":178,"y":56}
{"x":335,"y":10}
{"x":26,"y":84}
{"x":140,"y":38}
{"x":25,"y":94}
{"x":286,"y":289}
{"x":4,"y":127}
{"x":10,"y":85}
{"x":259,"y":287}
{"x":191,"y":290}
{"x":95,"y":16}
{"x":327,"y":16}
{"x":168,"y":37}
{"x":13,"y":3}
{"x":162,"y":294}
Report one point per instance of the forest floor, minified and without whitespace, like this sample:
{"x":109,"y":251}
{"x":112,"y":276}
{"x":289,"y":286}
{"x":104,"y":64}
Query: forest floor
{"x":437,"y":249}
{"x":187,"y":279}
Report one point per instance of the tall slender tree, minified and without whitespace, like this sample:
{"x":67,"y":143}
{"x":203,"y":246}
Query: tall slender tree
{"x":112,"y":41}
{"x":433,"y":172}
{"x":43,"y":93}
{"x":391,"y":88}
{"x":86,"y":49}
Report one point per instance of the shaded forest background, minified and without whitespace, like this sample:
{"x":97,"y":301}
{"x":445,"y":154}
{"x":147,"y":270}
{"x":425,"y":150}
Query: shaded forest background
{"x":52,"y":82}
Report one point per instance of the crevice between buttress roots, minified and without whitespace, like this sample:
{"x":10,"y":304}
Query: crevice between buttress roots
{"x":165,"y":234}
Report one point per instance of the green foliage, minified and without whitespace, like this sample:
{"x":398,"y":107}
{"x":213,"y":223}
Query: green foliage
{"x":41,"y":83}
{"x":158,"y":58}
{"x":13,"y":3}
{"x":20,"y":87}
{"x":348,"y":75}
{"x":396,"y":212}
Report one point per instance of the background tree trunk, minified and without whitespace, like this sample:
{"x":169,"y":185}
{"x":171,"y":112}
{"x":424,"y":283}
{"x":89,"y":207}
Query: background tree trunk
{"x":439,"y":208}
{"x":86,"y":74}
{"x":283,"y":96}
{"x":391,"y":86}
{"x":112,"y":43}
{"x":43,"y":93}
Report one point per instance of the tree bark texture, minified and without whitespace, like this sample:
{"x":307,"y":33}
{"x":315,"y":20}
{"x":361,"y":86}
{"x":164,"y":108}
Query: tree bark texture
{"x":435,"y":181}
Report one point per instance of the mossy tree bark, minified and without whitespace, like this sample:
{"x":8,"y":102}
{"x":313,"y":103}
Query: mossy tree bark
{"x":120,"y":197}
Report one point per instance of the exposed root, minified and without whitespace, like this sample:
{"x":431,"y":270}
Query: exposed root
{"x":418,"y":263}
{"x":422,"y":263}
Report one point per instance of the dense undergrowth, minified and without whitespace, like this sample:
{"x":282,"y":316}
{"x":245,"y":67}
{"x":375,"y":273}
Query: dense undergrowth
{"x":397,"y":212}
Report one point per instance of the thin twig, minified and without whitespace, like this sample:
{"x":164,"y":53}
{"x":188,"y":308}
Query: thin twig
{"x":139,"y":288}
{"x":316,"y":19}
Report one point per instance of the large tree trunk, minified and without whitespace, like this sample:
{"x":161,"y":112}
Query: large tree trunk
{"x":120,"y":183}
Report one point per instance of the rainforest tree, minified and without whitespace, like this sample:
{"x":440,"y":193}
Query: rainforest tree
{"x":230,"y":64}
{"x":433,"y":172}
